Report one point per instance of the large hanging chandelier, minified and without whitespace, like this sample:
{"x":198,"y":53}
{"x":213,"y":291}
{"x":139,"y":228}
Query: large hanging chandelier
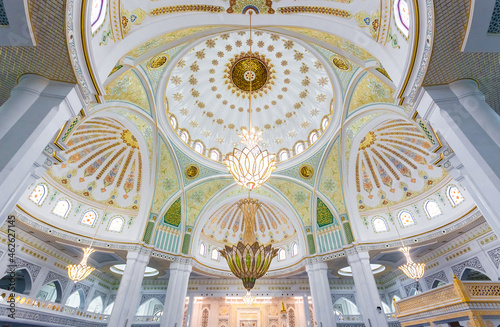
{"x":411,"y":269}
{"x":82,"y":270}
{"x":250,"y":167}
{"x":249,"y":260}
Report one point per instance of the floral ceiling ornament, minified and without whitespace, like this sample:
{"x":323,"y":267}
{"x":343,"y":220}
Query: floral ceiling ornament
{"x":249,"y":260}
{"x":250,"y":167}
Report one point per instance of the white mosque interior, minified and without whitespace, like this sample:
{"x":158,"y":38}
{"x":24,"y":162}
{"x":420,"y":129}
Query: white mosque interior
{"x":250,"y":163}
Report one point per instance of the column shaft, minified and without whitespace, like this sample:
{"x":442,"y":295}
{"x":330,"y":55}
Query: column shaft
{"x":367,"y":296}
{"x":29,"y":120}
{"x":129,"y":291}
{"x":173,"y":309}
{"x":471,"y":128}
{"x":320,"y":293}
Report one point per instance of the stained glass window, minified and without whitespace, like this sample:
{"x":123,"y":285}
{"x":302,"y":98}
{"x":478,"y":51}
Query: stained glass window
{"x":379,"y":225}
{"x":295,"y":249}
{"x":116,"y":224}
{"x":281,"y":254}
{"x":89,"y":218}
{"x":432,"y":209}
{"x":454,"y":195}
{"x":62,"y":208}
{"x":39,"y":194}
{"x":203,"y":249}
{"x":215,"y":255}
{"x":406,"y":218}
{"x":402,"y":15}
{"x":97,"y":13}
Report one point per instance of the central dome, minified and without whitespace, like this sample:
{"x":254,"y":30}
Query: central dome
{"x":207,"y":94}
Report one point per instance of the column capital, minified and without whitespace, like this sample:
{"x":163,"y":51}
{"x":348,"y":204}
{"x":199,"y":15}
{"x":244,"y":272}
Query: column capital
{"x":316,"y":266}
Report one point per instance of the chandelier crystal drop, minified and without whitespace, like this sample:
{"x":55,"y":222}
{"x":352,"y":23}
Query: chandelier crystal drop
{"x":411,"y":269}
{"x":81,"y":271}
{"x":248,"y":299}
{"x":250,"y":167}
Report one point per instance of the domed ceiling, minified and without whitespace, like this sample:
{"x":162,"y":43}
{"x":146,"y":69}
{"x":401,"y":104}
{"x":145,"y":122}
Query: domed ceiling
{"x":104,"y":164}
{"x":393,"y":164}
{"x":207,"y":93}
{"x":226,"y":225}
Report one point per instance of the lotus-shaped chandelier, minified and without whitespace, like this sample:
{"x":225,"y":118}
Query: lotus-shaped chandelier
{"x":81,"y":271}
{"x":250,"y":167}
{"x":249,"y":260}
{"x":411,"y":269}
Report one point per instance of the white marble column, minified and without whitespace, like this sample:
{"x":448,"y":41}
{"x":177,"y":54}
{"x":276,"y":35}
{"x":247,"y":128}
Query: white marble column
{"x":173,"y":309}
{"x":129,"y":291}
{"x":321,"y":295}
{"x":29,"y":120}
{"x":367,"y":296}
{"x":471,"y":128}
{"x":189,"y":314}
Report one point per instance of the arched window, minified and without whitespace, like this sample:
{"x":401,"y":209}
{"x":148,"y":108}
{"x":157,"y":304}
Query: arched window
{"x":379,"y":224}
{"x":215,"y":255}
{"x":295,"y":249}
{"x":324,"y":123}
{"x":108,"y":309}
{"x":97,"y":14}
{"x":283,"y":154}
{"x":62,"y":208}
{"x":51,"y":291}
{"x":406,"y":218}
{"x":21,"y":278}
{"x":39,"y":194}
{"x":215,"y":155}
{"x":402,"y":15}
{"x":75,"y":300}
{"x":116,"y":224}
{"x":198,"y":147}
{"x":173,"y":121}
{"x":281,"y":254}
{"x":313,"y":137}
{"x":454,"y":195}
{"x":299,"y":147}
{"x":185,"y":136}
{"x":203,"y":249}
{"x":89,"y":218}
{"x":95,"y":305}
{"x":432,"y":209}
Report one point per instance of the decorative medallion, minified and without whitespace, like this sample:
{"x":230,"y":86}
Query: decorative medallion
{"x":241,"y":70}
{"x":191,"y":171}
{"x":158,"y":61}
{"x":306,"y":171}
{"x":258,"y":6}
{"x":341,"y":64}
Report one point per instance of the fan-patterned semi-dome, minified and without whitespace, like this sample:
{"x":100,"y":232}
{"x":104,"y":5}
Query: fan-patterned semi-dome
{"x":207,"y":94}
{"x":104,"y":164}
{"x":393,"y":163}
{"x":226,"y":225}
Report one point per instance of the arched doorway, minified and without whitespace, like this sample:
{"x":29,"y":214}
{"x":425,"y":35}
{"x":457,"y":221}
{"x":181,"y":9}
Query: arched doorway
{"x":76,"y":300}
{"x":345,"y":307}
{"x":472,"y":274}
{"x":51,"y":291}
{"x":437,"y":283}
{"x":95,"y":305}
{"x":150,"y":308}
{"x":22,"y":280}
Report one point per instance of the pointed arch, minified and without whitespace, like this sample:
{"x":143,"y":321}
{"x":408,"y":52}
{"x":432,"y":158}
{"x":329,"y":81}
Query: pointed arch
{"x":89,"y":218}
{"x":454,"y":195}
{"x":432,"y":209}
{"x":380,"y":225}
{"x":116,"y":224}
{"x":62,"y":208}
{"x":406,"y":218}
{"x":39,"y":194}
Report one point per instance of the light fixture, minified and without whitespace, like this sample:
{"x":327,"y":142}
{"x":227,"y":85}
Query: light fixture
{"x":249,"y":260}
{"x":81,"y":271}
{"x":248,"y":299}
{"x":376,"y":268}
{"x":250,"y":167}
{"x":411,"y":269}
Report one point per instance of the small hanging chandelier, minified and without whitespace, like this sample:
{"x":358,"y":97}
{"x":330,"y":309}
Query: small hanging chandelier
{"x":79,"y":272}
{"x":250,"y":167}
{"x":249,"y":260}
{"x":411,"y":269}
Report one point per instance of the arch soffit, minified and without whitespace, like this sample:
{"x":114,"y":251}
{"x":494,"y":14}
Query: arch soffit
{"x":213,"y":205}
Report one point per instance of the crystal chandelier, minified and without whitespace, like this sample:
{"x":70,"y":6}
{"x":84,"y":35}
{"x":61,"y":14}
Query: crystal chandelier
{"x":249,"y":260}
{"x":250,"y":167}
{"x":411,"y":269}
{"x":81,"y":271}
